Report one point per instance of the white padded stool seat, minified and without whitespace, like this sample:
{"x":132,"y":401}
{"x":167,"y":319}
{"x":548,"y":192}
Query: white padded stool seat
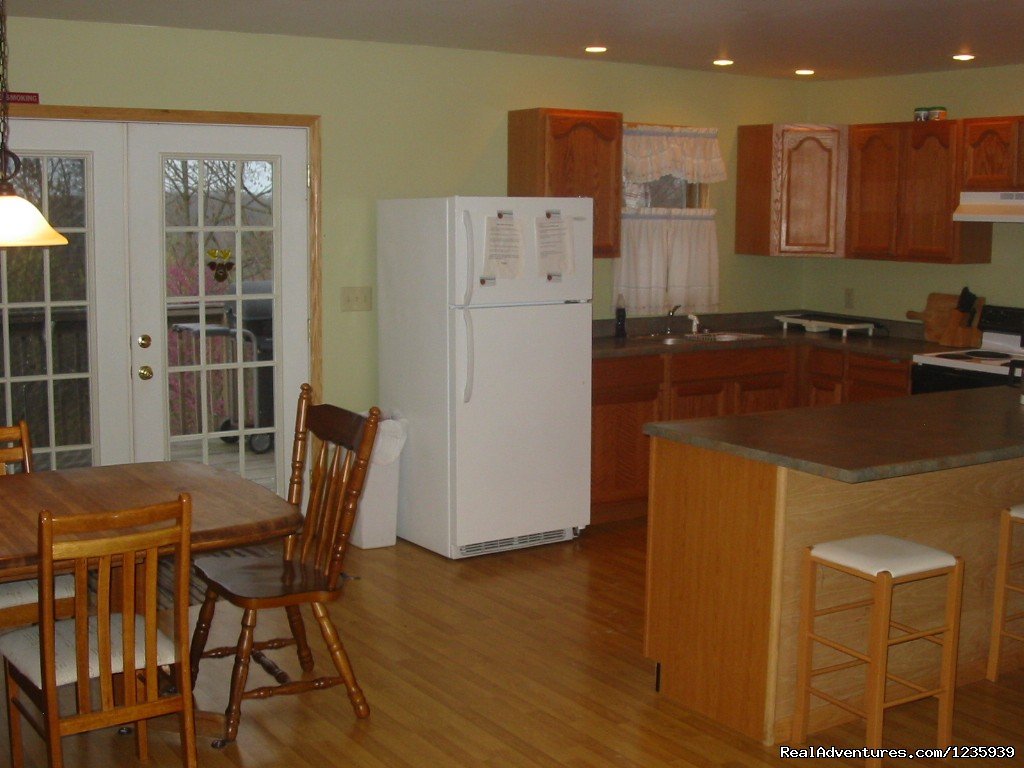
{"x":26,"y":592}
{"x":21,"y":648}
{"x":873,"y":554}
{"x":1017,"y":511}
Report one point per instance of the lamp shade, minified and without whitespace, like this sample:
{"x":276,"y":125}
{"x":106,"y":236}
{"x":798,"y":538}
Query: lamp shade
{"x":21,"y":224}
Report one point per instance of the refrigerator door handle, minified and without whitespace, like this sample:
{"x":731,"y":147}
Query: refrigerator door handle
{"x":467,"y":393}
{"x":467,"y":222}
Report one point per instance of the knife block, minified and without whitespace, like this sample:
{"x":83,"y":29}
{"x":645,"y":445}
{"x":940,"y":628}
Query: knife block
{"x":945,"y":324}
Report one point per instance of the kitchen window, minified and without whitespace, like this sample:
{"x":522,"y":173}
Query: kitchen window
{"x":669,"y":250}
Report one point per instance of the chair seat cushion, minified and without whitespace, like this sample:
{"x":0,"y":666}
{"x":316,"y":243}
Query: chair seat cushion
{"x":26,"y":591}
{"x":21,"y":648}
{"x":873,"y":554}
{"x":264,"y":579}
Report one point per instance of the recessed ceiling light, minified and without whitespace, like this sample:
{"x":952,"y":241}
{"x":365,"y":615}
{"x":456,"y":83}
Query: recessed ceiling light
{"x":964,"y":56}
{"x":723,"y":62}
{"x":595,"y":49}
{"x":804,"y":72}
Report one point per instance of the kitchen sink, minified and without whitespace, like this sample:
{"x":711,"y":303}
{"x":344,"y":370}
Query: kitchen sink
{"x":684,"y":338}
{"x":723,"y":336}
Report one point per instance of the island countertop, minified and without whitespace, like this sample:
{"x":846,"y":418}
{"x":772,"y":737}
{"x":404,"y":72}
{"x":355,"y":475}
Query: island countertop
{"x":735,"y":501}
{"x":860,"y":442}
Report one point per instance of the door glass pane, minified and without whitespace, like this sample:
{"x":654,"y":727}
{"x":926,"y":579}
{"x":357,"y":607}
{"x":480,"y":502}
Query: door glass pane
{"x":220,"y":327}
{"x":181,"y":252}
{"x":181,"y":192}
{"x":47,"y":376}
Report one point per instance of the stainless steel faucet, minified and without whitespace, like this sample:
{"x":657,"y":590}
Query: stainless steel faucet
{"x":695,"y":327}
{"x":668,"y":318}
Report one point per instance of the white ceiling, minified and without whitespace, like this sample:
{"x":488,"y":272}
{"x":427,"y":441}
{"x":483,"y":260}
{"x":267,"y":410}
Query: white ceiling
{"x":771,"y":38}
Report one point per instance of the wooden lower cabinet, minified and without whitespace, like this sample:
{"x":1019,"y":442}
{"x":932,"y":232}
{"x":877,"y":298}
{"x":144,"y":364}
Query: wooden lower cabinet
{"x":872,"y":378}
{"x":833,"y":376}
{"x":823,"y":378}
{"x":723,"y":382}
{"x":627,"y":393}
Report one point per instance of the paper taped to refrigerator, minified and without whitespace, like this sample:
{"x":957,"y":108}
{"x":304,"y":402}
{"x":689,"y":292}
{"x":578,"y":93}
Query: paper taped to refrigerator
{"x":503,"y":247}
{"x":554,"y":246}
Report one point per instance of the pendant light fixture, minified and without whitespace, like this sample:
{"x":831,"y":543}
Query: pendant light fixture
{"x":21,"y":223}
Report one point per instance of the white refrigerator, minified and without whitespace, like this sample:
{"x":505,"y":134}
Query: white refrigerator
{"x":484,"y":315}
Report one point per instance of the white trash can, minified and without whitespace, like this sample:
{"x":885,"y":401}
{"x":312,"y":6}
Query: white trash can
{"x":377,"y":520}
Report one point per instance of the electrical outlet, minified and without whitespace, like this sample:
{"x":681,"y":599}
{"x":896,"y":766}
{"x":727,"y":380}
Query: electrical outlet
{"x":848,"y":298}
{"x":357,"y":298}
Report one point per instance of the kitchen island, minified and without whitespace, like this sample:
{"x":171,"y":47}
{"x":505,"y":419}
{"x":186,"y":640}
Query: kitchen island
{"x":735,"y":500}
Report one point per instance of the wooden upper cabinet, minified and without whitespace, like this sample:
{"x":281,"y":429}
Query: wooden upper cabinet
{"x":993,"y":153}
{"x":873,"y":191}
{"x":902,"y":191}
{"x":928,"y":191}
{"x":570,"y":153}
{"x":790,"y":189}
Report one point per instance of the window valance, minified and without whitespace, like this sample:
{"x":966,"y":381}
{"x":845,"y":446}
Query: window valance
{"x":650,"y":152}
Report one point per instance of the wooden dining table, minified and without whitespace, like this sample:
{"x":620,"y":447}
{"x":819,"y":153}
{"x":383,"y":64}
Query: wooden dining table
{"x":227,"y":510}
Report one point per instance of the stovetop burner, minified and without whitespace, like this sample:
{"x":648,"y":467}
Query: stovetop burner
{"x":987,"y":354}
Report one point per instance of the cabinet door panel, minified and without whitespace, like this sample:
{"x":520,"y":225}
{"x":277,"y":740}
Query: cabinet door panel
{"x":989,"y":153}
{"x":620,"y":450}
{"x":871,"y":378}
{"x":873,"y":191}
{"x":810,"y":184}
{"x":697,"y":399}
{"x":626,"y":395}
{"x":824,"y":390}
{"x":767,"y":392}
{"x":585,"y":160}
{"x":927,"y":194}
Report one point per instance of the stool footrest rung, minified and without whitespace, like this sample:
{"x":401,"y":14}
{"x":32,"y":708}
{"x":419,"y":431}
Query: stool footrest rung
{"x":836,"y":667}
{"x":917,"y":634}
{"x":839,"y":647}
{"x":843,"y":607}
{"x":912,"y":697}
{"x":1013,"y":635}
{"x":906,"y":683}
{"x":837,"y":702}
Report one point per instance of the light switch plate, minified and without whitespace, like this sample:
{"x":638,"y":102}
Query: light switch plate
{"x":357,"y":298}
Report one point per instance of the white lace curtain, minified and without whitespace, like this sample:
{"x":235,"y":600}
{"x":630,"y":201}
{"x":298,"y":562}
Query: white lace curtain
{"x":691,"y":154}
{"x":668,"y":256}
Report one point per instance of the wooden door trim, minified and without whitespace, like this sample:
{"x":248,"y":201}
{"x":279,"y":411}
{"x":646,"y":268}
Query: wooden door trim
{"x":199,"y":117}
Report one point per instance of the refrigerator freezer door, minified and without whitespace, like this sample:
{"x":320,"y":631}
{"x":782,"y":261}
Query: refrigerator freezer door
{"x":525,"y":250}
{"x":522,"y":441}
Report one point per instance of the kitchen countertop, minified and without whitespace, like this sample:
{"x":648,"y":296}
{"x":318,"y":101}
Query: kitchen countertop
{"x":860,"y":343}
{"x":874,"y":440}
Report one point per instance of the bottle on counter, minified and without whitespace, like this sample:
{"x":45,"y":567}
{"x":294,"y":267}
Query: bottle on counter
{"x":620,"y":318}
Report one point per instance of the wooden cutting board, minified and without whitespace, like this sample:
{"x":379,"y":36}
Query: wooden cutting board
{"x":945,"y":324}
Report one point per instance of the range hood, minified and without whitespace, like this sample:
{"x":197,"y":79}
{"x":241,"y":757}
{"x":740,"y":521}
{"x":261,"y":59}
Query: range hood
{"x":990,"y":206}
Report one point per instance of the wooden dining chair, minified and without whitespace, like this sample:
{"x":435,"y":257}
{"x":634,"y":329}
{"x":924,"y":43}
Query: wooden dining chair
{"x":340,"y":443}
{"x":18,"y":605}
{"x":15,"y":447}
{"x":119,"y":551}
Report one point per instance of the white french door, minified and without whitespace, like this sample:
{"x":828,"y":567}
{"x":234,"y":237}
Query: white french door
{"x":188,"y":270}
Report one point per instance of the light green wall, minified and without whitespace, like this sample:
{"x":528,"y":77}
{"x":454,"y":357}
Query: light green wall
{"x":407,"y":121}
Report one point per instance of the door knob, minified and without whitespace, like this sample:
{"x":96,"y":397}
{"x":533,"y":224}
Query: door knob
{"x":145,"y":372}
{"x":145,"y":341}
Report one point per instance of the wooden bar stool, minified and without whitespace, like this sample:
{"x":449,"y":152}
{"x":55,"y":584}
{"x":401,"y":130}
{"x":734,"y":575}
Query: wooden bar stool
{"x":886,"y":562}
{"x":1008,"y":522}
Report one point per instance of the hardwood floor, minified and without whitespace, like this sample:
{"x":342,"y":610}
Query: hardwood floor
{"x":528,"y":658}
